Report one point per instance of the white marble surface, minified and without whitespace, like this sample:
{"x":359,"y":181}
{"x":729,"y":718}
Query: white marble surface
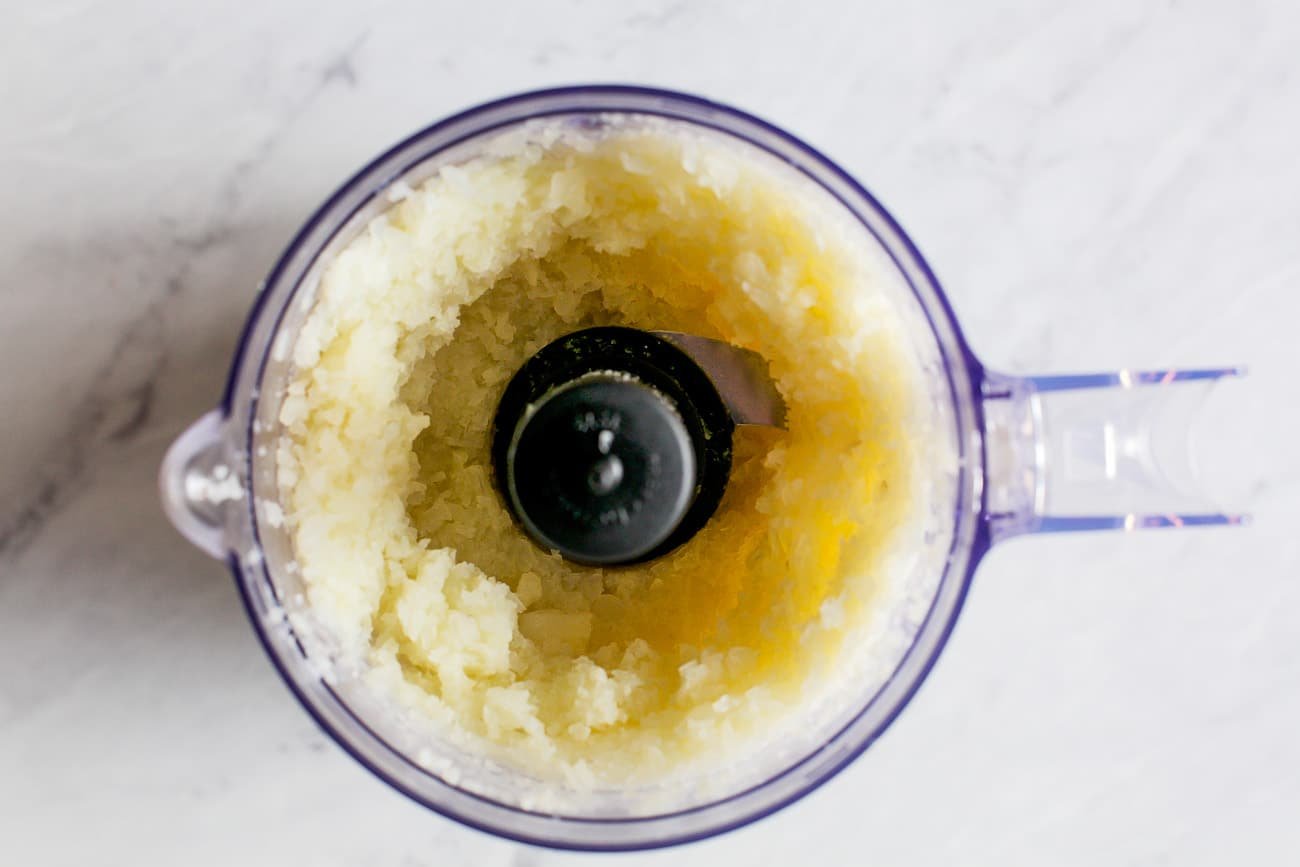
{"x":1098,"y":184}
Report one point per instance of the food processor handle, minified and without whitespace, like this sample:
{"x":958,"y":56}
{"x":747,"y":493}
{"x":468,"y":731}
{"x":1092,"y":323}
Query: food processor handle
{"x":198,"y":482}
{"x":1102,"y":451}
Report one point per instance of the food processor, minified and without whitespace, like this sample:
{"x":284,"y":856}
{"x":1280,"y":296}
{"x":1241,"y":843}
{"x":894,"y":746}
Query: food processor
{"x":1029,"y":454}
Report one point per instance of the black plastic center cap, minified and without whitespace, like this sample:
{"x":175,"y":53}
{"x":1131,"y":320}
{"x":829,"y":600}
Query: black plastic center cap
{"x":612,"y":446}
{"x":601,"y":469}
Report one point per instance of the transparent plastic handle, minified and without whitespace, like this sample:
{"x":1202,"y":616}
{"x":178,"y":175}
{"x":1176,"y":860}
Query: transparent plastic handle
{"x":1103,"y":451}
{"x":197,"y":483}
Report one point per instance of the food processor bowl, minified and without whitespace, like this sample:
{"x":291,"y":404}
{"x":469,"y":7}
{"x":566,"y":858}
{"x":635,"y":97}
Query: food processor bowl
{"x":1024,"y":455}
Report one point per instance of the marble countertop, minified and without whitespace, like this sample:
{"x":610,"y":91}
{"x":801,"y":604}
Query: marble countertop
{"x":1098,"y":185}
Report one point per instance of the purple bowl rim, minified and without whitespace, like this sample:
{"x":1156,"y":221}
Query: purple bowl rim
{"x":979,"y":545}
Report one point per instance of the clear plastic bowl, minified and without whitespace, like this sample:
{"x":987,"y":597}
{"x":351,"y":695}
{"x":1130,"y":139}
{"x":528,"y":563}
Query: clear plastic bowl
{"x":1103,"y":451}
